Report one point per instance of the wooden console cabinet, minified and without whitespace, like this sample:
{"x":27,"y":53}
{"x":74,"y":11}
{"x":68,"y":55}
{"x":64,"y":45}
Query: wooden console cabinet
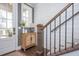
{"x":28,"y":40}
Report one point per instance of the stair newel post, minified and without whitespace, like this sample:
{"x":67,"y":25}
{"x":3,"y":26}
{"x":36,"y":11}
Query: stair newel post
{"x":40,"y":39}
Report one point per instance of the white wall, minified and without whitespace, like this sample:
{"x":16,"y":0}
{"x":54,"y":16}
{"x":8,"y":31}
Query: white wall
{"x":46,"y":11}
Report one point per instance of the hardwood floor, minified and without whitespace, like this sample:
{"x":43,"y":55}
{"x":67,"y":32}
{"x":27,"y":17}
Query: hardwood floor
{"x":29,"y":52}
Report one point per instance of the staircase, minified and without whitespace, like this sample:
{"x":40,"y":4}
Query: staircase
{"x":61,"y":33}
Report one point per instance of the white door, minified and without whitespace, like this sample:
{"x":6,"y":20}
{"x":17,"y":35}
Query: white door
{"x":7,"y":29}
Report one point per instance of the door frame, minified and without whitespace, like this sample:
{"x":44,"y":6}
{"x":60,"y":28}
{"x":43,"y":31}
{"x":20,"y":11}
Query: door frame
{"x":15,"y":7}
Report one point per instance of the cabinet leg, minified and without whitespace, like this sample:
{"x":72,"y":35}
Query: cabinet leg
{"x":24,"y":49}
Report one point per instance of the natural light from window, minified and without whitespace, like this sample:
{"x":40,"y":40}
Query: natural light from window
{"x":6,"y":28}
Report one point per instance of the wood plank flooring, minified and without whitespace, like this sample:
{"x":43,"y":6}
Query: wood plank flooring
{"x":29,"y":52}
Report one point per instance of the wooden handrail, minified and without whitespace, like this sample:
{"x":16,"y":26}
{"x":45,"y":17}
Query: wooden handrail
{"x":65,"y":8}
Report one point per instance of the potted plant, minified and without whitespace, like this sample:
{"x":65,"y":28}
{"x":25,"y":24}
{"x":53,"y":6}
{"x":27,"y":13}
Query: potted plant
{"x":23,"y":24}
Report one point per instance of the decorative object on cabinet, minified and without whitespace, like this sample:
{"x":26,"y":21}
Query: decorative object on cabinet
{"x":23,"y":25}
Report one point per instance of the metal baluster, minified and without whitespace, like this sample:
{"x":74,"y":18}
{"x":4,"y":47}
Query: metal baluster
{"x":55,"y":36}
{"x":59,"y":33}
{"x":43,"y":44}
{"x":50,"y":38}
{"x":72,"y":26}
{"x":46,"y":41}
{"x":65,"y":29}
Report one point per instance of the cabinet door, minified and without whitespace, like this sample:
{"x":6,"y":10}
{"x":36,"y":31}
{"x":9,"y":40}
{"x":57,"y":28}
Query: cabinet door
{"x":28,"y":41}
{"x":33,"y":38}
{"x":23,"y":38}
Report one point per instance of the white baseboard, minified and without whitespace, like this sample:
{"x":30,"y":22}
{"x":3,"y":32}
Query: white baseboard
{"x":18,"y":48}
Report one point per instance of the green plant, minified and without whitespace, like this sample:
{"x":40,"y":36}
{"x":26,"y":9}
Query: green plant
{"x":23,"y":23}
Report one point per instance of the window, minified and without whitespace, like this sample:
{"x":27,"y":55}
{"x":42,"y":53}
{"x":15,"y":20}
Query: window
{"x":26,"y":15}
{"x":6,"y":28}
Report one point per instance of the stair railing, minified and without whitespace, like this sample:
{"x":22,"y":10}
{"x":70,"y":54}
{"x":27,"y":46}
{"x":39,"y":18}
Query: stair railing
{"x":64,"y":10}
